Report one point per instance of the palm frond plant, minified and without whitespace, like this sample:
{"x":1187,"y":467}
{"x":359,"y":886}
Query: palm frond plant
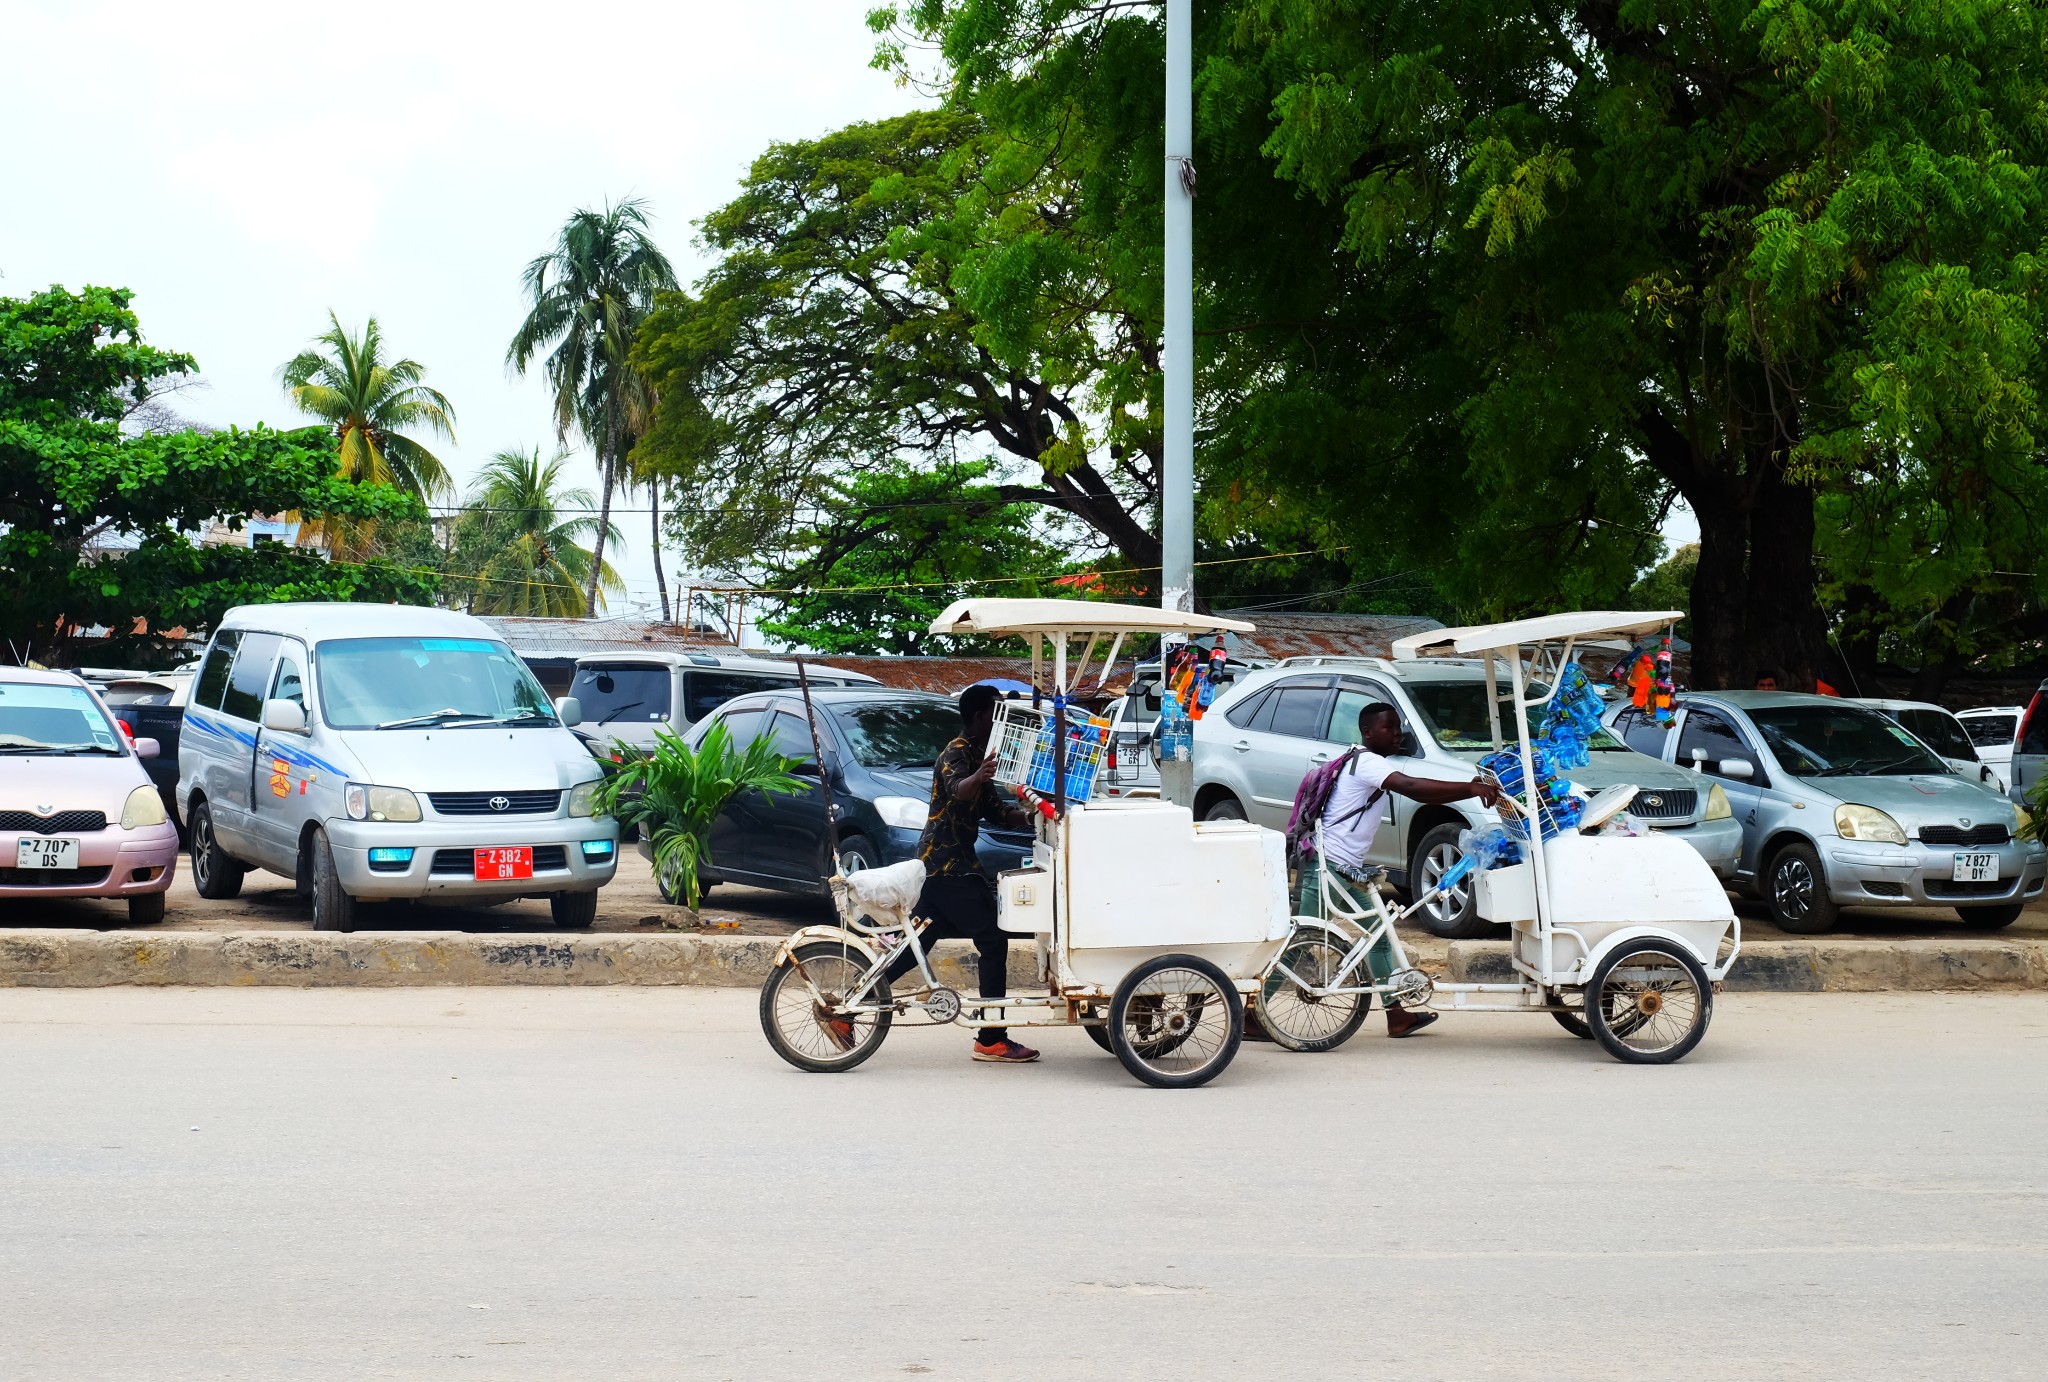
{"x":519,"y":541}
{"x":675,"y":793}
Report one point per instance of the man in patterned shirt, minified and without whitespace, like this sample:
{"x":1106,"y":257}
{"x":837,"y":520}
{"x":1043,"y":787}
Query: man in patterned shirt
{"x":959,"y":900}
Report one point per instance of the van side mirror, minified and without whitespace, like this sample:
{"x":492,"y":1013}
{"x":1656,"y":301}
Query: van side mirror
{"x":1738,"y":768}
{"x":286,"y":717}
{"x":569,"y":711}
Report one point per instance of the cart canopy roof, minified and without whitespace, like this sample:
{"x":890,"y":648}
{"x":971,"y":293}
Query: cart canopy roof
{"x":1000,"y":616}
{"x":1582,"y":625}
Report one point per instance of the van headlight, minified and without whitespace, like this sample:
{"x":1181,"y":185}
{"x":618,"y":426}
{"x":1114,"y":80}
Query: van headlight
{"x":1867,"y":823}
{"x":905,"y":813}
{"x":143,"y":807}
{"x":583,"y":798}
{"x":366,"y":803}
{"x":1718,"y":808}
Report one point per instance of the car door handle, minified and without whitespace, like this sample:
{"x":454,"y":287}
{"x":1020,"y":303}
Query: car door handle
{"x":1242,"y":745}
{"x":1319,"y":758}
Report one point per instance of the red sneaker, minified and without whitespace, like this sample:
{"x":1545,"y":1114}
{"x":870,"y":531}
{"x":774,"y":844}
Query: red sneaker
{"x":1004,"y":1052}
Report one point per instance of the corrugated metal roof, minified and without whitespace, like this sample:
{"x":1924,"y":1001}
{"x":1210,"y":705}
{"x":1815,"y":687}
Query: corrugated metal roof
{"x":1283,"y":633}
{"x":572,"y":637}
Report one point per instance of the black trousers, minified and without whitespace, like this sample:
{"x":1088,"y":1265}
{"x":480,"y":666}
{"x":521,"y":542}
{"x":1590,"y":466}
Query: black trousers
{"x":962,"y":907}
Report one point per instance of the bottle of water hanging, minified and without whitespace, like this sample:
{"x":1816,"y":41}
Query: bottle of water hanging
{"x":1176,"y":733}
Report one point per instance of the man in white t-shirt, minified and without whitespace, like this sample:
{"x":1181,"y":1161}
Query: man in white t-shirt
{"x":1352,"y":817}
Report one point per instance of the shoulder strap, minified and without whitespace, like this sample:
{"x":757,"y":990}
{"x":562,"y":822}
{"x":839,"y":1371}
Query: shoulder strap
{"x":1351,"y":766}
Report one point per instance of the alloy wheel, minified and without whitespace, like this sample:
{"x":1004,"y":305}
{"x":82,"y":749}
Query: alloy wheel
{"x":1792,"y":887}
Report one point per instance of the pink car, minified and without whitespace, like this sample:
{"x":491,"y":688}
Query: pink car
{"x":78,"y":815}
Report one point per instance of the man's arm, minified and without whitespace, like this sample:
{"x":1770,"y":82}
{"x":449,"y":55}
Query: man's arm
{"x":1436,"y":790}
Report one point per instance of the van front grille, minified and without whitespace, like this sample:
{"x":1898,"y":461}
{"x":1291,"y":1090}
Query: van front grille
{"x":487,"y":803}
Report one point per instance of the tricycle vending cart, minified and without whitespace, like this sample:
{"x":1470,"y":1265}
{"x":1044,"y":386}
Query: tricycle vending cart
{"x":1622,"y":937}
{"x":1151,"y":931}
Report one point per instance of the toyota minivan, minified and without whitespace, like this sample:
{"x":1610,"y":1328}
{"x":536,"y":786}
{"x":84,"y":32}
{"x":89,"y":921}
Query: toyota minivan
{"x":381,"y":751}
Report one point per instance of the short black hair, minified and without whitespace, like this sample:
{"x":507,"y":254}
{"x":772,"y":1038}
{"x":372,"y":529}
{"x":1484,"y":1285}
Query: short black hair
{"x":1373,"y":712}
{"x":977,"y":700}
{"x":1763,"y":672}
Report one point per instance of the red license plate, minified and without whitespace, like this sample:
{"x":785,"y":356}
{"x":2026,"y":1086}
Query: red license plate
{"x":516,"y":862}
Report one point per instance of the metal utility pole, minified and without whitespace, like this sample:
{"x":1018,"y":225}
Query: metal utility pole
{"x":1177,"y":480}
{"x":1177,"y":477}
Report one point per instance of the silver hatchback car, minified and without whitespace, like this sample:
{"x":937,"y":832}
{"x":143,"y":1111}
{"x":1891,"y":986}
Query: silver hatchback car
{"x":1843,"y":807}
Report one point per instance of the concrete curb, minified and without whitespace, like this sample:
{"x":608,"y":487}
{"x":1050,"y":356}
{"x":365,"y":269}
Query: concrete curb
{"x":1834,"y":966}
{"x":396,"y":959}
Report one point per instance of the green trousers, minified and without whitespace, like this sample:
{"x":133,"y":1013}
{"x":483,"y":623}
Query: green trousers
{"x":1380,"y":959}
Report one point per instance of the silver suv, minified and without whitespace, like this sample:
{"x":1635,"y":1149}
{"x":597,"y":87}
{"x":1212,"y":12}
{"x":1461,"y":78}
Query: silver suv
{"x":1264,"y":734}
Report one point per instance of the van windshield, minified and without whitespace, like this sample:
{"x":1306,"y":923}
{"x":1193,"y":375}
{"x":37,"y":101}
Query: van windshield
{"x":38,"y":720}
{"x":627,"y":692}
{"x":419,"y":683}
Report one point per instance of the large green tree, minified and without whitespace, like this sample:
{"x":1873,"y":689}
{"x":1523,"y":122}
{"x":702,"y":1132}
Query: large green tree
{"x":587,"y":299}
{"x":95,"y":524}
{"x":518,"y":543}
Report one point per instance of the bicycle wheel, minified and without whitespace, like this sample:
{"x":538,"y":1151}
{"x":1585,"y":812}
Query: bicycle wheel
{"x":1297,"y":1019}
{"x":1649,"y":1002}
{"x":1176,"y":1021}
{"x":801,"y":1028}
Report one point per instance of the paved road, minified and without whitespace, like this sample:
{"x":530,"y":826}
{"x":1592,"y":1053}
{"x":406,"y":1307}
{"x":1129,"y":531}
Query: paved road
{"x":625,"y":1184}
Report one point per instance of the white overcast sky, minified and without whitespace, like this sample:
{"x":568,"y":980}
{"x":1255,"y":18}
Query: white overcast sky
{"x":246,"y":167}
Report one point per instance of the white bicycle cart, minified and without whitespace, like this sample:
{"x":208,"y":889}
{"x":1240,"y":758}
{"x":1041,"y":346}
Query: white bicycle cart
{"x":1622,"y":939}
{"x":1151,"y":931}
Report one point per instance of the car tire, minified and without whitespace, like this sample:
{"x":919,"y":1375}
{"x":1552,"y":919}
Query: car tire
{"x":574,"y":911}
{"x":1991,"y":917}
{"x":1225,"y":808}
{"x":215,"y":876}
{"x":333,"y":909}
{"x":145,"y":909}
{"x":1435,"y":852}
{"x":1796,"y":890}
{"x":856,"y":854}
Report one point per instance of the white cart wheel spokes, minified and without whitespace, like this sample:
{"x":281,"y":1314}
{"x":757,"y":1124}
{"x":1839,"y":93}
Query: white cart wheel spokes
{"x":1649,"y":1002}
{"x":1176,"y":1021}
{"x":1295,"y":1018}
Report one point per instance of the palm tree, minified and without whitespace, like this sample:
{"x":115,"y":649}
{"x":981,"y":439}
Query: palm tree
{"x":523,"y":554}
{"x":589,"y":295}
{"x":372,"y":404}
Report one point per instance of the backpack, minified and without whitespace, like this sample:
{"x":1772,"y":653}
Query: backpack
{"x":1312,"y":798}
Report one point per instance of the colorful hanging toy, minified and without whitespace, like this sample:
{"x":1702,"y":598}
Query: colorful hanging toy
{"x":1666,"y":692}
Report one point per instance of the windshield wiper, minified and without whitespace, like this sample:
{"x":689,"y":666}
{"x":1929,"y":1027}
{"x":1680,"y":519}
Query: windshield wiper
{"x":58,"y":750}
{"x":523,"y":717}
{"x":629,"y":705}
{"x":438,"y":717}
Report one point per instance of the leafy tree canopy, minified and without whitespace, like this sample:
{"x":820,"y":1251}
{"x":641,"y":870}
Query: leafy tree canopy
{"x":516,"y":551}
{"x":75,"y":491}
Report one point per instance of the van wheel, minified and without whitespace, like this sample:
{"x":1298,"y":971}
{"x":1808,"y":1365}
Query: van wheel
{"x":1456,"y":916}
{"x":333,"y":909}
{"x":1796,"y":891}
{"x":574,"y":910}
{"x":214,"y":876}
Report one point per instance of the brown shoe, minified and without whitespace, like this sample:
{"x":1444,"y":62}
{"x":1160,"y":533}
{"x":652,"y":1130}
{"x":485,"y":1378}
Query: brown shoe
{"x":1004,"y":1052}
{"x":1403,"y":1023}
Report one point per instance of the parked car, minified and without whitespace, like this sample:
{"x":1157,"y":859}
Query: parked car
{"x":153,"y":707}
{"x":79,"y":816}
{"x":380,"y":751}
{"x":880,"y":748}
{"x":1944,"y":733}
{"x":1840,"y":806}
{"x":1993,"y":730}
{"x":1265,"y":732}
{"x":627,"y":696}
{"x":1128,"y":767}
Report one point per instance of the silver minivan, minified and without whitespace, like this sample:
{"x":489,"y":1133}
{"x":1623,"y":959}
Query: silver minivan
{"x":381,"y":751}
{"x":1841,"y":806}
{"x":627,"y":696}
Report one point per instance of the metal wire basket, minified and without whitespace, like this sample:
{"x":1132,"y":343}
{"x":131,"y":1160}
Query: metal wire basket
{"x":1023,"y":747}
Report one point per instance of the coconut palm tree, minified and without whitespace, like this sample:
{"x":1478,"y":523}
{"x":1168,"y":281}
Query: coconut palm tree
{"x":589,"y":295}
{"x":522,"y":553}
{"x":372,"y":404}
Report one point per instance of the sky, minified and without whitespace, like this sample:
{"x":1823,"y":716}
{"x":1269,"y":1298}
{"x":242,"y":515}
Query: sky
{"x":245,"y":168}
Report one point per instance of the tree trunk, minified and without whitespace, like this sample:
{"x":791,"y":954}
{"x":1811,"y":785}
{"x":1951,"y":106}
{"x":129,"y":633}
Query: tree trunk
{"x":1782,"y":621}
{"x":604,"y":524}
{"x":654,"y":507}
{"x":1855,"y":647}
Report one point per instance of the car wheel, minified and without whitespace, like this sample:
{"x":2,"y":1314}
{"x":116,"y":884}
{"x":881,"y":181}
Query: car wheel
{"x":214,"y":876}
{"x":1990,"y":918}
{"x":1796,"y":890}
{"x":856,"y":854}
{"x":574,"y":910}
{"x":333,"y":909}
{"x":1224,"y":808}
{"x":145,"y":909}
{"x":1455,"y":916}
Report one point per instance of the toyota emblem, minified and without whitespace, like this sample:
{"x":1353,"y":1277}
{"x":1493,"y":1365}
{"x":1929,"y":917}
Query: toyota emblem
{"x":1966,"y":822}
{"x":44,"y":808}
{"x":500,"y":803}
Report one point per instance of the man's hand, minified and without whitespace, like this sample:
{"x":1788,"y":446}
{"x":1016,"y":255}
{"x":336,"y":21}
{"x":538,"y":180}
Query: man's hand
{"x":1487,"y":791}
{"x":969,"y":786}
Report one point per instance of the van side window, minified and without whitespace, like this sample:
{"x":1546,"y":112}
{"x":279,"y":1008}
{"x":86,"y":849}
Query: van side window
{"x":289,"y":684}
{"x":213,"y":677}
{"x":244,"y":698}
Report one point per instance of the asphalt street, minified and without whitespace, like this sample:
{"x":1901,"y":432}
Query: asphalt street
{"x":625,"y":1183}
